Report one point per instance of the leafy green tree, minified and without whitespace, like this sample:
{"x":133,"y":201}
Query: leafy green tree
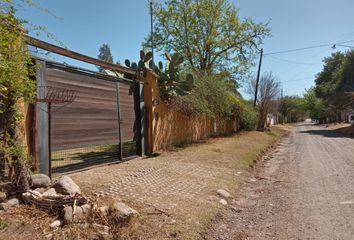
{"x":314,"y":106}
{"x":105,"y":55}
{"x":327,"y":84}
{"x":290,"y":109}
{"x":16,"y":86}
{"x":209,"y":34}
{"x":345,"y":74}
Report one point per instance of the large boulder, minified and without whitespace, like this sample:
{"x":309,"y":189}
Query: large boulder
{"x":40,"y":181}
{"x":65,"y":185}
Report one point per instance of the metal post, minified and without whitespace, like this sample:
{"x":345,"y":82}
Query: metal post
{"x":142,"y":117}
{"x":50,"y":139}
{"x":119,"y":122}
{"x":257,"y":82}
{"x":42,"y":145}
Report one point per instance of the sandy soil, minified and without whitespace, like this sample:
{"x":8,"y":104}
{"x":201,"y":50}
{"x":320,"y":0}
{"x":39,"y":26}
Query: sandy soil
{"x":303,"y":190}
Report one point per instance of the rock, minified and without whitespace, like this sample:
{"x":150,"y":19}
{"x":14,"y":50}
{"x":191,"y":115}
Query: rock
{"x":67,"y":215}
{"x":40,"y":190}
{"x":65,"y":185}
{"x":56,"y":224}
{"x":86,"y":208}
{"x":9,"y":204}
{"x":223,"y":202}
{"x":78,"y":214}
{"x":223,"y":193}
{"x":40,"y":181}
{"x":103,"y":210}
{"x":122,"y":210}
{"x":102,"y":229}
{"x":49,"y":236}
{"x":3,"y":196}
{"x":50,"y":192}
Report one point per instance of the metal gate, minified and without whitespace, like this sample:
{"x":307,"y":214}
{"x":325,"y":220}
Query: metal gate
{"x":101,"y":126}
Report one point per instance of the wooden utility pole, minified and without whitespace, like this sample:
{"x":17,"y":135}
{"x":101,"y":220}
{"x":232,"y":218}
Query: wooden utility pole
{"x":257,"y":82}
{"x":152,"y":29}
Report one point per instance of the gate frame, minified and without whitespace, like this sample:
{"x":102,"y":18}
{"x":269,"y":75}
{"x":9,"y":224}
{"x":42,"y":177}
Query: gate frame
{"x":42,"y":148}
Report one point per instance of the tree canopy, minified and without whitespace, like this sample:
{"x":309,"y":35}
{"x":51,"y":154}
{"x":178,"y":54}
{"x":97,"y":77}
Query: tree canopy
{"x":335,"y":83}
{"x":209,"y":34}
{"x":105,"y":55}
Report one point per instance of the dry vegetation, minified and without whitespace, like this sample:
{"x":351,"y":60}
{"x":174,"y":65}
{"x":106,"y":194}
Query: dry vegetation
{"x":175,"y":193}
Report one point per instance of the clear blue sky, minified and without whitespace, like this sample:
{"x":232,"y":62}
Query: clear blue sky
{"x":85,"y":25}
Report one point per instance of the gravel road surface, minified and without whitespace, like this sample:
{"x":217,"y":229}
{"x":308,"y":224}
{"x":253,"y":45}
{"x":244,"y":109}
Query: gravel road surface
{"x":304,"y":189}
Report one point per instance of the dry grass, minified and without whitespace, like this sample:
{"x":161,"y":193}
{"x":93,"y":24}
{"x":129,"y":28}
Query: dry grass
{"x":175,"y":193}
{"x":211,"y":166}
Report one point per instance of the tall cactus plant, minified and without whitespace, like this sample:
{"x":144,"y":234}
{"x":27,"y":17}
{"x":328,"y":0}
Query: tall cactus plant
{"x":171,"y":81}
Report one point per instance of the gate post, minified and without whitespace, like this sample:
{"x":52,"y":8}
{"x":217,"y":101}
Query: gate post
{"x":141,"y":110}
{"x":42,"y":127}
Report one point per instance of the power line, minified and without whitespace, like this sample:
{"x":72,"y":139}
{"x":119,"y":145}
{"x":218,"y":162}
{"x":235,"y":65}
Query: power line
{"x":293,"y":62}
{"x":306,"y":48}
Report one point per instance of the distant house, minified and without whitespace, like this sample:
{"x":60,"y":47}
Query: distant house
{"x":348,"y":116}
{"x":272,"y":119}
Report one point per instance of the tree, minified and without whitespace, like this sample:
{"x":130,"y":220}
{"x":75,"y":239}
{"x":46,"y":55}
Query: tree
{"x":209,"y":34}
{"x":15,"y":86}
{"x":327,"y":84}
{"x":268,"y":91}
{"x":290,"y":109}
{"x":335,"y":83}
{"x":345,"y":74}
{"x":314,"y":106}
{"x":105,"y":55}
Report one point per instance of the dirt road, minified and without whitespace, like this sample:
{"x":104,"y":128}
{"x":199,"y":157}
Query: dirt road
{"x":303,"y":190}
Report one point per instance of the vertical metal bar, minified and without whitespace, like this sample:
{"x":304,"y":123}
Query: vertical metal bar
{"x":42,"y":150}
{"x":50,"y":139}
{"x":119,"y":122}
{"x":140,"y":117}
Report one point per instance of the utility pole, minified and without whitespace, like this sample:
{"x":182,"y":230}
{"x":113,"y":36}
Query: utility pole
{"x":151,"y":29}
{"x":257,"y":82}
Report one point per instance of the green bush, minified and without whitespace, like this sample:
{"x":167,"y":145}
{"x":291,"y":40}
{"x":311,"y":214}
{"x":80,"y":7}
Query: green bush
{"x":211,"y":96}
{"x":248,"y":116}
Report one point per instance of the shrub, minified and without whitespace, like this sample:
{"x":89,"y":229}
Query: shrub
{"x":248,"y":116}
{"x":211,"y":96}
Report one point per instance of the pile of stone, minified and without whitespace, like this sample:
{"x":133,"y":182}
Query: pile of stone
{"x":63,"y":198}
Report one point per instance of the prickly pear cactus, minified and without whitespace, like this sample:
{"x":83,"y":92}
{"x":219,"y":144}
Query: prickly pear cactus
{"x":171,"y":81}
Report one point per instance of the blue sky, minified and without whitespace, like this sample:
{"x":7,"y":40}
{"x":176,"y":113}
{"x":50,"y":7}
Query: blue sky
{"x":85,"y":25}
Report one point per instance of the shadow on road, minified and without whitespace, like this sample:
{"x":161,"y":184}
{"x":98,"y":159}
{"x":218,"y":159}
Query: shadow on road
{"x":345,"y":132}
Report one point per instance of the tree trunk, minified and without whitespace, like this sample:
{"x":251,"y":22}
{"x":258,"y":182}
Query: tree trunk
{"x":21,"y":177}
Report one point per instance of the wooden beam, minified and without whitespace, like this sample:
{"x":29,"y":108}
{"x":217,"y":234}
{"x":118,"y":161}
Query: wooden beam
{"x":78,"y":56}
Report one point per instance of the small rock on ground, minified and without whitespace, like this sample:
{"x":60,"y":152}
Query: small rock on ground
{"x":123,"y":209}
{"x":56,"y":224}
{"x":9,"y":204}
{"x":223,"y":193}
{"x":223,"y":202}
{"x":3,"y":196}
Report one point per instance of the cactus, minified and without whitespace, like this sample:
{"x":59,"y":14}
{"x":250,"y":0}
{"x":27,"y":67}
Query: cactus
{"x":171,"y":81}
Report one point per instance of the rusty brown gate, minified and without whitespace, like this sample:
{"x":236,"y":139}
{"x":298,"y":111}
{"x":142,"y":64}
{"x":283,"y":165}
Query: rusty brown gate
{"x":101,"y":126}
